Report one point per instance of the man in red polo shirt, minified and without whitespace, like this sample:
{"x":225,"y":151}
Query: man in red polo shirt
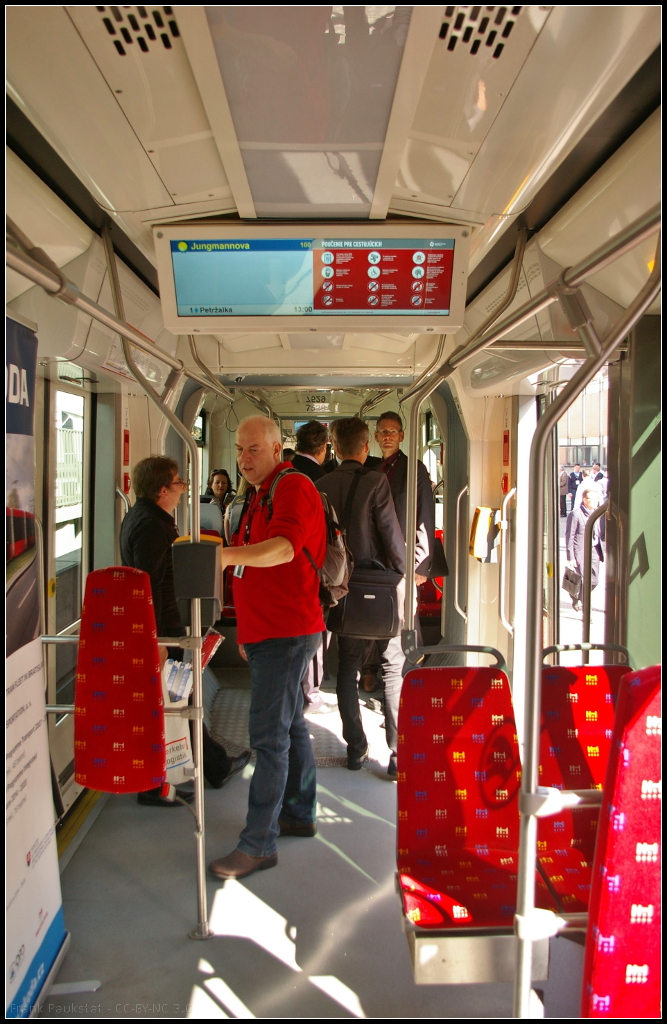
{"x":279,"y":628}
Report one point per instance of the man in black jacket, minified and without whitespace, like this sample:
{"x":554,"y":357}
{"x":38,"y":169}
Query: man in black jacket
{"x":576,"y":476}
{"x":389,"y":435}
{"x":311,"y":449}
{"x":373,"y":533}
{"x":146,"y":536}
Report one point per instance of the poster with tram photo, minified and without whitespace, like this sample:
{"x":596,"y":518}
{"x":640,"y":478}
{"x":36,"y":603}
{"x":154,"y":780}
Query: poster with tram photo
{"x":35,"y":930}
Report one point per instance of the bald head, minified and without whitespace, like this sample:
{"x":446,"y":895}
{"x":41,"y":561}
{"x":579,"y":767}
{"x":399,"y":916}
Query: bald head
{"x":263,"y":424}
{"x":258,"y":448}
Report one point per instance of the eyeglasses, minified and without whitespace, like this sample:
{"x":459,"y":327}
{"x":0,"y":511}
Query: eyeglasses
{"x":388,"y":433}
{"x":179,"y":483}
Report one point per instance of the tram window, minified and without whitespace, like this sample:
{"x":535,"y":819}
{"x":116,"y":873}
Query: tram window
{"x":199,"y":429}
{"x":68,"y":498}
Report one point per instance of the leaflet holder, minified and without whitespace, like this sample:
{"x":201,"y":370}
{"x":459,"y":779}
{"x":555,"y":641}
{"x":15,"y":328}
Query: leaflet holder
{"x":198,"y":573}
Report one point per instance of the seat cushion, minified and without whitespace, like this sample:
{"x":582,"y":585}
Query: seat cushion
{"x":458,"y":783}
{"x":578,"y":710}
{"x":119,"y":744}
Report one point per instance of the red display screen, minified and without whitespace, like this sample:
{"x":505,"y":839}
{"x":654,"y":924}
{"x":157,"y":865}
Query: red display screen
{"x":403,"y":276}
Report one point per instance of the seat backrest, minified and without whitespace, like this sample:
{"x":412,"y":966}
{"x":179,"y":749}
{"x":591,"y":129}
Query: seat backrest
{"x":578,"y":709}
{"x":458,"y":783}
{"x":622,"y":966}
{"x":119,"y":744}
{"x":211,"y":518}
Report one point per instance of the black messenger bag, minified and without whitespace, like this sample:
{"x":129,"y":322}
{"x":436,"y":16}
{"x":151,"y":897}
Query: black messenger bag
{"x":372,"y":609}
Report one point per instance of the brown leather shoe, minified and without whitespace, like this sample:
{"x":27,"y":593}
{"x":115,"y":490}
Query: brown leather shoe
{"x":238,"y":865}
{"x":369,"y":682}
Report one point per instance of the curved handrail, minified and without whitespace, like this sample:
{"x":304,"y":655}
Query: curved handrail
{"x":466,"y":490}
{"x":126,"y":500}
{"x":588,"y":572}
{"x":559,"y":648}
{"x":467,"y":648}
{"x":504,"y":525}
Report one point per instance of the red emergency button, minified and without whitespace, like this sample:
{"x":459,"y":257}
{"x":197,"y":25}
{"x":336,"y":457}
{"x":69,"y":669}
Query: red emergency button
{"x":505,"y":485}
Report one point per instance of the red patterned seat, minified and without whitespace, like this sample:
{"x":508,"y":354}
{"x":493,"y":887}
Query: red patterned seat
{"x":577,"y":722}
{"x":622,"y":966}
{"x":119,"y":720}
{"x":458,"y":784}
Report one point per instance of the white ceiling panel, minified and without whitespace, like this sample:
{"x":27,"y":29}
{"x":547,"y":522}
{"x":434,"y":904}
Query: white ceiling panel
{"x":310,"y":91}
{"x":581,"y":59}
{"x":54,"y":80}
{"x":140,"y":53}
{"x":476,"y":59}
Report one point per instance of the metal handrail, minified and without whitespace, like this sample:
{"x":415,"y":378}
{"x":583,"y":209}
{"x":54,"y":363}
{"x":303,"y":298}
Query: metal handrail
{"x":370,"y":403}
{"x":504,"y":528}
{"x":457,"y":552}
{"x":429,"y":369}
{"x":202,"y":930}
{"x":558,"y":648}
{"x":617,"y":246}
{"x":409,"y":640}
{"x":467,"y":649}
{"x":40,"y":570}
{"x":57,"y":285}
{"x":588,"y":573}
{"x":126,"y":500}
{"x":533,"y":641}
{"x":220,"y":388}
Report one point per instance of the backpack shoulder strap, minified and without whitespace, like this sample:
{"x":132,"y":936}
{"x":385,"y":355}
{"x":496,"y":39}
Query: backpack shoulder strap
{"x":347,"y":510}
{"x":268,"y":499}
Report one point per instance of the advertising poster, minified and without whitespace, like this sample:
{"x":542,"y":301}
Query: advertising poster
{"x":35,"y":929}
{"x":34,"y":916}
{"x":22,"y":587}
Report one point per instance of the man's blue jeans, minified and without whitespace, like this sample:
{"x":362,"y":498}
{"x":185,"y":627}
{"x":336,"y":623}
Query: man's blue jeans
{"x":283,"y":783}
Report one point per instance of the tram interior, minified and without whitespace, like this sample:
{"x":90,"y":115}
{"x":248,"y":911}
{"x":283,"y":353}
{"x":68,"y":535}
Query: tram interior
{"x":542,"y":144}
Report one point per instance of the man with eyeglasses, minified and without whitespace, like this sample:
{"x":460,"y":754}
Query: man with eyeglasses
{"x":146,"y":536}
{"x":389,"y":434}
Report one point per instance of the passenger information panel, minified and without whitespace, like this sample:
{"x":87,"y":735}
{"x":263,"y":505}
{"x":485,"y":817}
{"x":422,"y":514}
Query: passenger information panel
{"x":313,"y":276}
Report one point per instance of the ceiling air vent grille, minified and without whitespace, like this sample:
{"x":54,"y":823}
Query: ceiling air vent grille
{"x":477,"y":27}
{"x":146,"y":26}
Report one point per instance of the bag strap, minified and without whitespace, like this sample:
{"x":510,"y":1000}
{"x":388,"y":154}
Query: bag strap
{"x":347,"y":511}
{"x":268,"y":500}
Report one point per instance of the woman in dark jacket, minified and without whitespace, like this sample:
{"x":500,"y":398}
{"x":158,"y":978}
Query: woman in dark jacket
{"x":219,"y":490}
{"x":574,"y":542}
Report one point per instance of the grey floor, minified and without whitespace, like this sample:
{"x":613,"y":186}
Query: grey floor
{"x":319,"y":936}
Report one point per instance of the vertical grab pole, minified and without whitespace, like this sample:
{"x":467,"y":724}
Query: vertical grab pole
{"x":588,"y":576}
{"x":202,"y":930}
{"x":529,"y":776}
